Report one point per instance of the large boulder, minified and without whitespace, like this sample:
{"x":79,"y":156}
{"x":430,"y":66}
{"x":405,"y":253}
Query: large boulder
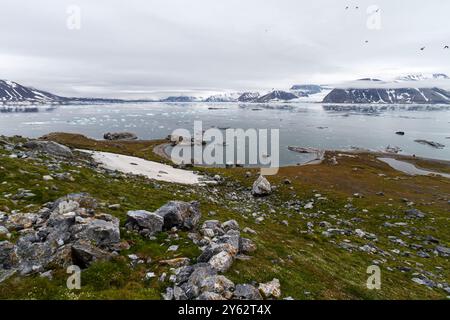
{"x":102,"y":233}
{"x":73,"y":202}
{"x":144,"y":220}
{"x":115,"y":136}
{"x":84,"y":254}
{"x":261,"y":187}
{"x":184,"y":215}
{"x":19,"y":221}
{"x":221,"y":262}
{"x":49,"y":147}
{"x":33,"y":255}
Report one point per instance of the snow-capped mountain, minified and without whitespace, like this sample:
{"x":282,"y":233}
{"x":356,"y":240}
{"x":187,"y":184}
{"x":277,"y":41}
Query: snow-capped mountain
{"x":12,"y":92}
{"x":276,"y":96}
{"x":180,"y":99}
{"x":249,"y":96}
{"x":423,"y":76}
{"x":224,"y":97}
{"x":389,"y":96}
{"x":305,"y":89}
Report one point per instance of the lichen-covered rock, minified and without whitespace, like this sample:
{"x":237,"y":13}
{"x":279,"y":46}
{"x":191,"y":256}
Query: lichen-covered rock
{"x":141,"y":219}
{"x":270,"y":289}
{"x":183,"y":215}
{"x":84,"y":254}
{"x":221,"y":262}
{"x":50,"y":147}
{"x":230,"y":225}
{"x":210,"y":296}
{"x":246,"y":246}
{"x":246,"y":292}
{"x":217,"y":284}
{"x":102,"y":233}
{"x":7,"y":256}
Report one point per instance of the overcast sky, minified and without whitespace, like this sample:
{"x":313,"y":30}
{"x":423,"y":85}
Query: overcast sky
{"x":146,"y":48}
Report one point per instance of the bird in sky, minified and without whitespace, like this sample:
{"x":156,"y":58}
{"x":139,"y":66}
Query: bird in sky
{"x":446,"y":47}
{"x":423,"y":48}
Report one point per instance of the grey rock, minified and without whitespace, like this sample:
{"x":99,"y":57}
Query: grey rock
{"x":217,"y":284}
{"x":179,"y":294}
{"x":49,"y":147}
{"x":3,"y":231}
{"x":6,"y":274}
{"x":191,"y":291}
{"x":230,"y":225}
{"x":142,"y":219}
{"x":116,"y":136}
{"x":180,"y":214}
{"x":7,"y":255}
{"x":246,"y":292}
{"x":270,"y":289}
{"x":100,"y":232}
{"x":201,"y":271}
{"x":210,"y":296}
{"x":443,"y":251}
{"x":221,"y":262}
{"x":168,"y":295}
{"x":414,"y":214}
{"x":246,"y":246}
{"x":261,"y":187}
{"x":84,"y":254}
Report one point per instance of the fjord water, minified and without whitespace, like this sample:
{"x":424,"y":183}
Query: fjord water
{"x":303,"y":124}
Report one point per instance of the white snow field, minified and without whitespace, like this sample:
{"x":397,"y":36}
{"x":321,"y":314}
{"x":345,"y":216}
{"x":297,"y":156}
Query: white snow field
{"x":149,"y":169}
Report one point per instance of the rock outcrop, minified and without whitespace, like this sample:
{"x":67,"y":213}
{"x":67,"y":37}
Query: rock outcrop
{"x":116,"y":136}
{"x":62,"y":233}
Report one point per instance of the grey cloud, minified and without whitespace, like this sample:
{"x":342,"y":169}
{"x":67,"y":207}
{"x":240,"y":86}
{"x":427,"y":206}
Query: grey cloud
{"x":136,"y":48}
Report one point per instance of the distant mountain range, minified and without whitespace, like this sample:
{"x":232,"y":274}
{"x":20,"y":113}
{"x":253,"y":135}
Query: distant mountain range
{"x":363,"y":91}
{"x":396,"y":92}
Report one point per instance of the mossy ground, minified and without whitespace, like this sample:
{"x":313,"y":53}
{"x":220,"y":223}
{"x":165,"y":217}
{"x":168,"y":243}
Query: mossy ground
{"x":308,"y":265}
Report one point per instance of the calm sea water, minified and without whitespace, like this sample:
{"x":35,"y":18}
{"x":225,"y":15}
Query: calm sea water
{"x":306,"y":125}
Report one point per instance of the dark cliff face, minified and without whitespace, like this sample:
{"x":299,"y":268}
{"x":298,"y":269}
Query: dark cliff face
{"x":14,"y":92}
{"x":249,"y":97}
{"x":277,"y":96}
{"x":389,"y":96}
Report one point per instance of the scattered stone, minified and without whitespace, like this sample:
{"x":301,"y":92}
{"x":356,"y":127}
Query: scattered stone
{"x":270,"y":289}
{"x":414,"y":214}
{"x":261,"y":187}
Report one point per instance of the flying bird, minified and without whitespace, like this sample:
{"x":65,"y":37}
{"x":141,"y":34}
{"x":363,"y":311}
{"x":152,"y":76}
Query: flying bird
{"x":446,"y":47}
{"x":346,"y":8}
{"x":423,"y":48}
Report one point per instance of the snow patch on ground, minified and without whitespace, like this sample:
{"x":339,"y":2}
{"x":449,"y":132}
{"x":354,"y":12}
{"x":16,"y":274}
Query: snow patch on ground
{"x":149,"y":169}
